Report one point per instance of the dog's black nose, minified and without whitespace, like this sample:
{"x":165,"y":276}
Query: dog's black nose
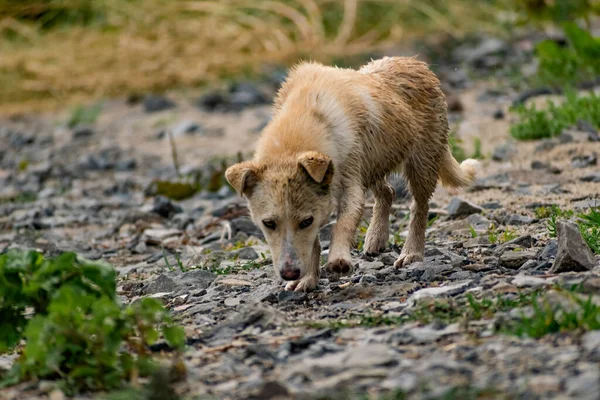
{"x":290,"y":273}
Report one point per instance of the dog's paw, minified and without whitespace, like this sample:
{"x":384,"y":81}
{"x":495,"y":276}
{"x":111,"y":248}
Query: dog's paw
{"x":375,"y":244}
{"x":306,"y":284}
{"x":406,"y":259}
{"x":338,"y":267}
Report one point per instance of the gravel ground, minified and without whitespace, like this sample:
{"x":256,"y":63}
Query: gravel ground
{"x":374,"y":334}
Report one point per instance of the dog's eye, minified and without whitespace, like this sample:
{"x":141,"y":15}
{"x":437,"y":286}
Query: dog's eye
{"x":306,"y":222}
{"x":269,"y":224}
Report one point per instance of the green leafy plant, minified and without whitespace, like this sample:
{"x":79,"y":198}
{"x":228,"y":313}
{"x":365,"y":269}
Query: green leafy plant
{"x":79,"y":333}
{"x":473,"y":231}
{"x":569,"y":65}
{"x":537,"y":124}
{"x":477,"y":152}
{"x":456,"y":143}
{"x":495,"y":237}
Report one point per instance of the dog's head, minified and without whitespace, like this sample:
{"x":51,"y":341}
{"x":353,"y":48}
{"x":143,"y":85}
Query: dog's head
{"x":289,"y":200}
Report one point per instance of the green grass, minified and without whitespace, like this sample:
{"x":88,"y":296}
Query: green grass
{"x":588,"y":223}
{"x":538,"y":124}
{"x":82,"y":115}
{"x":74,"y":328}
{"x":547,"y":317}
{"x":496,"y":237}
{"x":580,"y":315}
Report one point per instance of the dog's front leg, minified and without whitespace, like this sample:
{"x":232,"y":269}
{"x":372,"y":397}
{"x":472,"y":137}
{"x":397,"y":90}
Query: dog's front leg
{"x":350,"y":210}
{"x":311,"y":279}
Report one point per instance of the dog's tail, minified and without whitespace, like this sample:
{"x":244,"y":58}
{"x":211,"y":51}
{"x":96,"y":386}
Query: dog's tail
{"x":455,"y":175}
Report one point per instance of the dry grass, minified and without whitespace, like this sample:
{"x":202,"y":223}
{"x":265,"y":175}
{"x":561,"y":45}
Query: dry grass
{"x":143,"y":45}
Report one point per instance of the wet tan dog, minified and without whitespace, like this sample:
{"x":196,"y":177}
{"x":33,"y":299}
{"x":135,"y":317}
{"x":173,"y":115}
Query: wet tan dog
{"x":335,"y":134}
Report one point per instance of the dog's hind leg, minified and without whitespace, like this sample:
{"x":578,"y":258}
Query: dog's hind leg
{"x":378,"y":233}
{"x":422,"y":177}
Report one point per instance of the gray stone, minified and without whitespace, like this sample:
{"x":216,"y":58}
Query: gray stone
{"x":515,"y":259}
{"x":287,"y":295}
{"x":549,"y":251}
{"x":166,"y":207}
{"x":573,"y":252}
{"x":462,"y":208}
{"x":504,"y":152}
{"x":247,"y":253}
{"x":584,"y":161}
{"x":585,"y":386}
{"x":155,"y":103}
{"x":441,"y":291}
{"x":186,"y":127}
{"x":366,"y":279}
{"x":81,"y":132}
{"x":591,"y":341}
{"x":595,"y":177}
{"x":232,"y":301}
{"x":162,"y":284}
{"x":516,"y":219}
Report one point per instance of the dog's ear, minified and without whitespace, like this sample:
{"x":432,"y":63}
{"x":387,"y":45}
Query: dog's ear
{"x":318,"y":166}
{"x":243,"y":177}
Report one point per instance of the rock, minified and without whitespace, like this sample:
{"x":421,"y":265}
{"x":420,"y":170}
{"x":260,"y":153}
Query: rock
{"x":232,"y":301}
{"x":441,"y":291}
{"x":515,"y":259}
{"x":584,"y":161}
{"x":367,"y":279}
{"x":516,"y":219}
{"x":573,"y":252}
{"x":186,"y":127}
{"x":549,"y":251}
{"x":247,"y":253}
{"x":499,"y":114}
{"x":494,"y":205}
{"x":165,"y":207}
{"x":591,"y":341}
{"x":529,"y":281}
{"x":271,"y":390}
{"x":246,"y":225}
{"x":162,"y":284}
{"x":462,"y":208}
{"x":503,"y":153}
{"x":586,"y":385}
{"x":156,"y":236}
{"x":212,"y":101}
{"x":485,"y":55}
{"x":287,"y":295}
{"x":155,"y":103}
{"x":246,"y":94}
{"x":82,"y":132}
{"x":595,"y":177}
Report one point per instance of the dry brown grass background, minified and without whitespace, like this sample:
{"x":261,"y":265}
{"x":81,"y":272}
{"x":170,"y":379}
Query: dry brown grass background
{"x":145,"y":45}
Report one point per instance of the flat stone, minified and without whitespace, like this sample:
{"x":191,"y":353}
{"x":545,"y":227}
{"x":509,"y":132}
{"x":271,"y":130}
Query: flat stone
{"x":232,"y":301}
{"x":529,"y":281}
{"x":247,"y":253}
{"x":441,"y":291}
{"x":591,"y":341}
{"x":515,"y":259}
{"x":462,"y":208}
{"x":156,"y":236}
{"x":573,"y":252}
{"x":595,"y":177}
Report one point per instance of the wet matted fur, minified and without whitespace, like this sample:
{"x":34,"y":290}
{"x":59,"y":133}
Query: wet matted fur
{"x":335,"y":134}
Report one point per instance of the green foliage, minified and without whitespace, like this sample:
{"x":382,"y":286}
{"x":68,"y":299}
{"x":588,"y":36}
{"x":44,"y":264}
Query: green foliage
{"x":575,"y":63}
{"x":537,"y":124}
{"x":556,"y":10}
{"x":587,"y":222}
{"x":496,"y":237}
{"x":473,"y":231}
{"x":477,"y":153}
{"x":552,"y":317}
{"x":458,"y":152}
{"x":84,"y":115}
{"x":79,"y":328}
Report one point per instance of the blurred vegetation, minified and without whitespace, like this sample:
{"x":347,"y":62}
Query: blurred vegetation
{"x":537,"y":123}
{"x":75,"y":329}
{"x":54,"y":51}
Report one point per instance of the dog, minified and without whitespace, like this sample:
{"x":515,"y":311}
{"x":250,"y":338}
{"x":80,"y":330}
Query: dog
{"x":335,"y":134}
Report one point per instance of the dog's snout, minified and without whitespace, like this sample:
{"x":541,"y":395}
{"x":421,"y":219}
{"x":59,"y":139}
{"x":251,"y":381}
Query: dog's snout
{"x":289,"y":272}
